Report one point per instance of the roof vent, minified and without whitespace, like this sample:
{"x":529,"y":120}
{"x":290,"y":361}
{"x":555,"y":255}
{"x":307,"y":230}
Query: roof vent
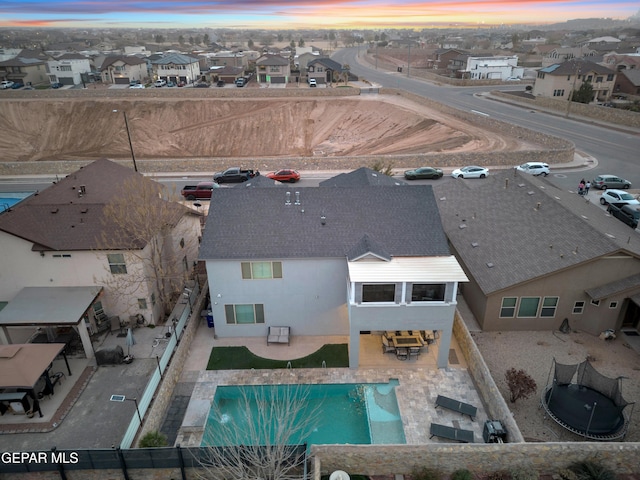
{"x":462,"y":225}
{"x":55,"y":210}
{"x":530,"y":193}
{"x":474,"y":244}
{"x":489,"y":264}
{"x":83,"y":189}
{"x":84,"y":210}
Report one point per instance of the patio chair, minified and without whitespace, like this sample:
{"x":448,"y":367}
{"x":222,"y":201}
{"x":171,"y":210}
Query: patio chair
{"x":451,"y":433}
{"x":456,"y":406}
{"x":386,"y":345}
{"x":402,"y":353}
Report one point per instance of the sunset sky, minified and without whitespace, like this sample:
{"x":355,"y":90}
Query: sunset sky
{"x":287,"y":14}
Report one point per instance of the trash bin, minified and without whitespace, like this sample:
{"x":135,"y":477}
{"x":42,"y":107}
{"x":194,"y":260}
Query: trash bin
{"x":210,"y":319}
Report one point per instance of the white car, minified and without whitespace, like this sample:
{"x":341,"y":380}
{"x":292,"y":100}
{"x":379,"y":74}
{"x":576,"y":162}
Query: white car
{"x":534,"y":168}
{"x":6,"y":84}
{"x":137,"y":85}
{"x":312,"y":82}
{"x":472,"y":171}
{"x":160,"y":83}
{"x":618,"y":196}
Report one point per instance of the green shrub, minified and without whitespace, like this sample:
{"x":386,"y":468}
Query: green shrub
{"x":153,"y":439}
{"x":462,"y":474}
{"x":524,"y":474}
{"x":588,"y":470}
{"x":425,"y":473}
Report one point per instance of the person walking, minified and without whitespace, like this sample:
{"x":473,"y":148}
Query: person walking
{"x":581,"y":186}
{"x":587,"y":186}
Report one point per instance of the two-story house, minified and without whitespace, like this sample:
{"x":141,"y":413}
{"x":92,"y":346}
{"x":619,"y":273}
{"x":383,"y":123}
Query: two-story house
{"x":121,"y":70}
{"x":28,"y":71}
{"x":105,"y":230}
{"x":68,"y":69}
{"x":324,"y":70}
{"x":560,"y":80}
{"x":176,"y":67}
{"x":272,"y":69}
{"x":343,"y":259}
{"x":492,"y":68}
{"x":537,"y":256}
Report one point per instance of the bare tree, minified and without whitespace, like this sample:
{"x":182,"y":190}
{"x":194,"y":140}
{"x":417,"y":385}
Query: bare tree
{"x":260,"y":442}
{"x":156,"y":239}
{"x":520,"y":384}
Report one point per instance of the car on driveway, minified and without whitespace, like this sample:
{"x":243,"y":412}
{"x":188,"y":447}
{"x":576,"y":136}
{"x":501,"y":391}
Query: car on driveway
{"x":137,"y":85}
{"x":312,"y":82}
{"x":16,"y":86}
{"x":618,"y":197}
{"x":610,"y":181}
{"x":220,"y":83}
{"x":471,"y":171}
{"x":423,"y":172}
{"x":284,"y":175}
{"x":160,"y":83}
{"x":6,"y":84}
{"x":201,"y":85}
{"x":534,"y":168}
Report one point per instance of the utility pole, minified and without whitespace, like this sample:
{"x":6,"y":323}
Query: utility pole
{"x":409,"y":62}
{"x":573,"y":88}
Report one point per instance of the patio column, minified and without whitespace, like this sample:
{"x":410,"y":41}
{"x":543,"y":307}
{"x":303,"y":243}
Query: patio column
{"x":86,"y":339}
{"x":444,"y":346}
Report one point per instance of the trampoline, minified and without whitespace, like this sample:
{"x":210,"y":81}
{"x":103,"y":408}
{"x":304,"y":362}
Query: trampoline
{"x":591,"y":406}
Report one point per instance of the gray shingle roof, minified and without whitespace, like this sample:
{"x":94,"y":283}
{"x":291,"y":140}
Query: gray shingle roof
{"x":327,"y":62}
{"x":175,"y":59}
{"x":361,"y":177}
{"x":527,"y":230}
{"x":613,"y":288}
{"x":579,"y":65}
{"x":256,"y":222}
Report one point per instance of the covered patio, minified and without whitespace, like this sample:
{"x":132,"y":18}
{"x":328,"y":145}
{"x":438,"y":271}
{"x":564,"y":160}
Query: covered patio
{"x":57,"y":310}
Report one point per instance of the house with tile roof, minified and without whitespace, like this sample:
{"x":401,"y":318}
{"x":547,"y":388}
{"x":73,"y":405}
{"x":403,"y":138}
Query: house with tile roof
{"x":82,"y":232}
{"x":121,"y":70}
{"x":345,"y":258}
{"x":536,"y":255}
{"x":272,"y":69}
{"x":176,"y":67}
{"x":558,"y":81}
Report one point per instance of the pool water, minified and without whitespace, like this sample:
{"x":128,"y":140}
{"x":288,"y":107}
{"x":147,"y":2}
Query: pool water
{"x":343,"y":414}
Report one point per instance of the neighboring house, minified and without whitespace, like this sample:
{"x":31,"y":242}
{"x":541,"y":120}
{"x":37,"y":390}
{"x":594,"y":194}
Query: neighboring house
{"x":226,"y":59}
{"x":303,"y":60}
{"x":619,"y":62}
{"x":628,"y":81}
{"x":176,"y":67}
{"x":355,"y":259}
{"x":562,"y":54}
{"x":64,"y":236}
{"x":272,"y":69}
{"x":492,"y":68}
{"x":121,"y":70}
{"x":28,"y":71}
{"x":324,"y":70}
{"x":444,"y":57}
{"x":558,"y":81}
{"x":228,"y":74}
{"x":69,"y":69}
{"x":536,"y":255}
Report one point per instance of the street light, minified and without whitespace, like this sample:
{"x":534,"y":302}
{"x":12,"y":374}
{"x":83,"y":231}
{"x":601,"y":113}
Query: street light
{"x":122,"y":398}
{"x":126,"y":124}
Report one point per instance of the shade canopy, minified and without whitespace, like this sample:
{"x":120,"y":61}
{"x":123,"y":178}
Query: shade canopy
{"x":42,"y":306}
{"x":21,"y":365}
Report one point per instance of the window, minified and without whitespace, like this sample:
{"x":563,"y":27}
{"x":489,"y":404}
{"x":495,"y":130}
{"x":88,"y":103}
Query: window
{"x":427,"y":292}
{"x":610,"y":77}
{"x":578,"y":308}
{"x":117,"y":263}
{"x":379,"y":293}
{"x":508,"y":309}
{"x":244,"y":314}
{"x":261,"y":270}
{"x":595,"y":303}
{"x":528,"y":307}
{"x":549,"y":305}
{"x":142,"y":303}
{"x":598,"y":79}
{"x":613,"y":305}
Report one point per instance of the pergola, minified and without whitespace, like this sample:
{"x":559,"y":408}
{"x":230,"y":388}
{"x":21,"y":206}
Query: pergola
{"x":50,"y":307}
{"x":22,"y":365}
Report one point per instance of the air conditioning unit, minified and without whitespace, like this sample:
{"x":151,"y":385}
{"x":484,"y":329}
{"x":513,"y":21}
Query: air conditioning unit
{"x":339,"y":475}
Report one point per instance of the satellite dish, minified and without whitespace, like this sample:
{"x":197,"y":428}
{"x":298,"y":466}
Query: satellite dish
{"x":339,"y":475}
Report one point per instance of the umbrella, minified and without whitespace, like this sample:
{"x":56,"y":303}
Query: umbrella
{"x":130,"y":340}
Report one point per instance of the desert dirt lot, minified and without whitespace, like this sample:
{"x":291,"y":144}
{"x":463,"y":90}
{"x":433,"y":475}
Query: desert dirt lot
{"x":161,"y":128}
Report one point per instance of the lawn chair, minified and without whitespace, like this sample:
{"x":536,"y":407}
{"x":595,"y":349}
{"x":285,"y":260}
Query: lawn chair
{"x":386,"y":345}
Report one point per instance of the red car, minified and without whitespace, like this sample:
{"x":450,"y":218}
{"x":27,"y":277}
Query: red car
{"x":284,"y":175}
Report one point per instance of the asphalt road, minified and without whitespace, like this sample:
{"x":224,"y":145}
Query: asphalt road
{"x":615,"y":149}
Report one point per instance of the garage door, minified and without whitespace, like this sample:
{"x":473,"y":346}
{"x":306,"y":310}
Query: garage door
{"x":278,"y":80}
{"x":122,"y":81}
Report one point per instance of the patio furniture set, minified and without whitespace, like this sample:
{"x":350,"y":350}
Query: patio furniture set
{"x":453,"y":433}
{"x":408,"y":343}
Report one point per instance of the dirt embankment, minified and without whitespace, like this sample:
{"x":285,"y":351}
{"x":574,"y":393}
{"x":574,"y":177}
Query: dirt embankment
{"x":81,"y":129}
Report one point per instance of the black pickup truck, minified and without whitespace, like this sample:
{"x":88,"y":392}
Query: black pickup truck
{"x":629,"y":214}
{"x":234,"y":175}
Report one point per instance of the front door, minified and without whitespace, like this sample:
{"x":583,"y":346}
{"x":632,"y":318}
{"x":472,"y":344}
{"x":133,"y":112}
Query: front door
{"x":631,"y":316}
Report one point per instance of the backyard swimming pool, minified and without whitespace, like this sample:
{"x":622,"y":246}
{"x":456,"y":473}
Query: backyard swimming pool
{"x":346,"y":414}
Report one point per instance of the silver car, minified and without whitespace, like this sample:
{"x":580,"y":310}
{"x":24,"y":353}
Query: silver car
{"x":610,"y":181}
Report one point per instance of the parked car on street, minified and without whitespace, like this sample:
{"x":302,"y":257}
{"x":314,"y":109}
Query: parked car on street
{"x":134,"y":82}
{"x":220,"y":83}
{"x":240,"y":82}
{"x":6,"y":84}
{"x":284,"y":175}
{"x":618,"y":196}
{"x":56,"y":85}
{"x":160,"y":83}
{"x":171,"y":84}
{"x":181,"y":84}
{"x":201,"y":85}
{"x":472,"y":171}
{"x":16,"y":86}
{"x":534,"y":168}
{"x":629,"y":214}
{"x":610,"y":181}
{"x":138,"y":85}
{"x":423,"y":172}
